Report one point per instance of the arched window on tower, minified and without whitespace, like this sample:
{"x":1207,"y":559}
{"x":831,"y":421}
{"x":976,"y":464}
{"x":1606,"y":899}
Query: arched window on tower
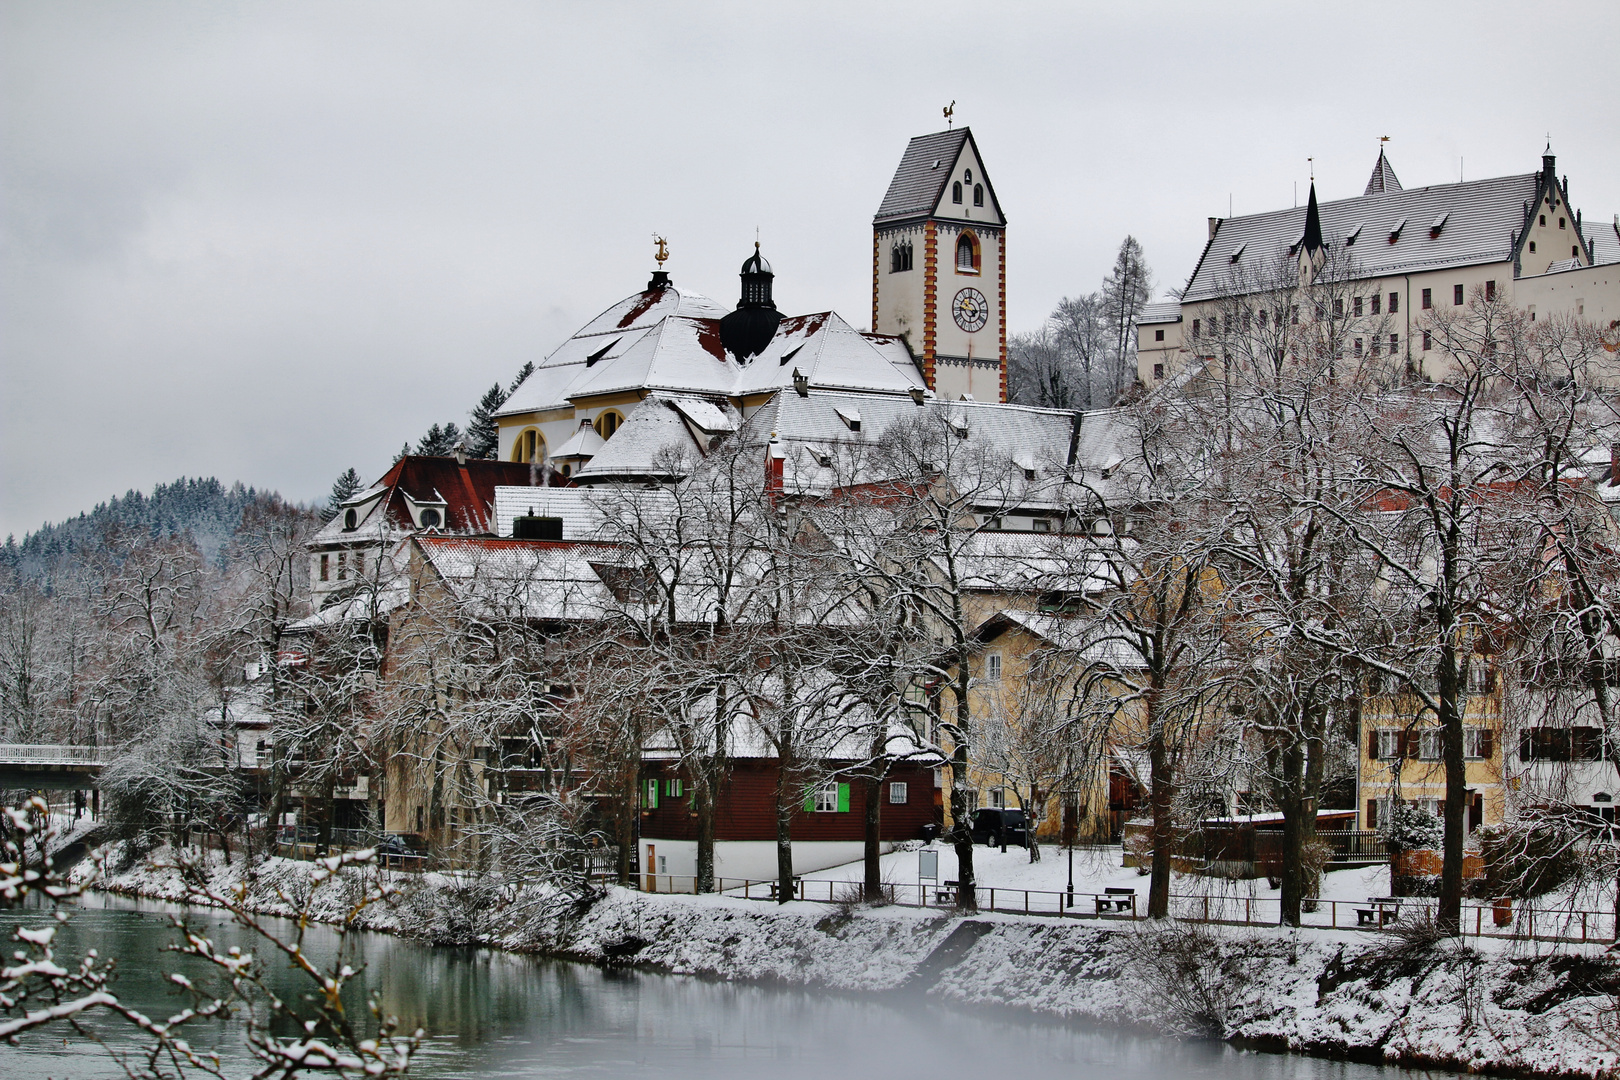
{"x":900,"y":257}
{"x":978,"y":194}
{"x":608,"y":423}
{"x":967,"y":254}
{"x":956,"y":193}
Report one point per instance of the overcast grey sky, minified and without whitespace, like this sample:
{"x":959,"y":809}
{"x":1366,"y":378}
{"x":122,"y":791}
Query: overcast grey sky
{"x":269,"y":241}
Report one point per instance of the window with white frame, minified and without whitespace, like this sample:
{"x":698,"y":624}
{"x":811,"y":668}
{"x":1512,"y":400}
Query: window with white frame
{"x":1389,"y":743}
{"x":827,"y":798}
{"x":1429,"y":745}
{"x":897,"y":793}
{"x":992,"y":667}
{"x":995,"y":798}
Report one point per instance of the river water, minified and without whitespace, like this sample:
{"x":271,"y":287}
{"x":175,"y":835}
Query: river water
{"x":498,"y":1015}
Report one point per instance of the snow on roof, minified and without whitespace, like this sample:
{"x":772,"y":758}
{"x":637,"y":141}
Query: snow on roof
{"x":1483,"y":218}
{"x":1161,"y":311}
{"x":585,"y":512}
{"x":653,"y":440}
{"x":704,"y":415}
{"x":583,"y":443}
{"x":924,"y":170}
{"x":464,"y":491}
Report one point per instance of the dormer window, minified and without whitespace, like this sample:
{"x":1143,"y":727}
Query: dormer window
{"x":430,"y":518}
{"x":1237,"y":252}
{"x":1439,"y":223}
{"x":850,"y":417}
{"x":1395,"y":230}
{"x":590,"y":361}
{"x":1350,"y":237}
{"x":956,"y":193}
{"x":351,"y":519}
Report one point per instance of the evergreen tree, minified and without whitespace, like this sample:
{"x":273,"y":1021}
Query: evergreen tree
{"x":483,"y":436}
{"x":344,"y":488}
{"x":523,"y":373}
{"x":439,"y":442}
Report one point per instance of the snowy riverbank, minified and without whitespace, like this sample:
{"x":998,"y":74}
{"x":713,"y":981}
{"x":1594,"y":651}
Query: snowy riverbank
{"x":1497,"y":1007}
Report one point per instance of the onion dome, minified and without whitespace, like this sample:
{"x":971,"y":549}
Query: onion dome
{"x":746,"y":331}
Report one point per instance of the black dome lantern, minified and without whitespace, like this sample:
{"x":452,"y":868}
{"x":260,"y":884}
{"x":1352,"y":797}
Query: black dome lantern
{"x":746,"y":331}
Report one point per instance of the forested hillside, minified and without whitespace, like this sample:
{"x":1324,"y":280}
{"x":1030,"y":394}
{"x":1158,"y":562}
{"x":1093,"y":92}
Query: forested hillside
{"x":204,"y":509}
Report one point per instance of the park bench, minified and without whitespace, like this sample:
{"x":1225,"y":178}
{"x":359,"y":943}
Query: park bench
{"x":1380,"y":911}
{"x":775,"y":885}
{"x":1112,"y":900}
{"x":945,"y":893}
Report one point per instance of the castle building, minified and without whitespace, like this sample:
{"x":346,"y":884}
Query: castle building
{"x":939,"y":267}
{"x":1397,"y":254}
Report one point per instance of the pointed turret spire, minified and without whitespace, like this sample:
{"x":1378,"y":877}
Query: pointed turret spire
{"x":1383,"y":180}
{"x":1311,"y":242}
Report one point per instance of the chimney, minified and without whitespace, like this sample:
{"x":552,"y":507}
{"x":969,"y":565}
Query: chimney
{"x":1214,"y":223}
{"x":773,"y":467}
{"x":917,"y":395}
{"x":801,"y":383}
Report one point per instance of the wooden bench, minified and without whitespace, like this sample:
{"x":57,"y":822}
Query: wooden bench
{"x":776,"y":885}
{"x":1380,"y":911}
{"x":1112,"y":900}
{"x":945,"y":893}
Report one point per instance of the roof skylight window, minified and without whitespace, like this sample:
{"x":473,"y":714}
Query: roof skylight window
{"x":1439,"y":223}
{"x":1350,"y":237}
{"x":1237,"y":252}
{"x":790,"y":354}
{"x":850,"y":417}
{"x":599,"y":353}
{"x":1395,"y":230}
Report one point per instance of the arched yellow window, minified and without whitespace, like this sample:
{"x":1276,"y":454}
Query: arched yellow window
{"x":967,"y":254}
{"x":529,"y":446}
{"x":608,"y":423}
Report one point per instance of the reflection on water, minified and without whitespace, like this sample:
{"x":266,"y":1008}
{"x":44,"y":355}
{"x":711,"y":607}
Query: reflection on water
{"x":493,"y":1014}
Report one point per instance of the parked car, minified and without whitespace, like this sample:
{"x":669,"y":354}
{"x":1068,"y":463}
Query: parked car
{"x":991,"y":826}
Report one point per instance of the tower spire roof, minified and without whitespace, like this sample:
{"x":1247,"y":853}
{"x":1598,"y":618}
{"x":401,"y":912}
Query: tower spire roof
{"x":1383,"y":180}
{"x":1311,"y":242}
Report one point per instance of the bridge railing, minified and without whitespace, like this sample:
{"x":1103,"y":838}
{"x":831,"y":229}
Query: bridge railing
{"x":51,"y":754}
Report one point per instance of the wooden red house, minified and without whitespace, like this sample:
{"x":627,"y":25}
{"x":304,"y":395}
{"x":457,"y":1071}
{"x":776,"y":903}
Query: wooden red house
{"x":828,"y":829}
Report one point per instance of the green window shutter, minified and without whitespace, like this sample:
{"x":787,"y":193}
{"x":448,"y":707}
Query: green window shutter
{"x":810,"y":803}
{"x":843,"y":798}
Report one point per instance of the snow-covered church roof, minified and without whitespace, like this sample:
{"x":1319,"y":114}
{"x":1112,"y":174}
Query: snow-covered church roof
{"x":668,"y":339}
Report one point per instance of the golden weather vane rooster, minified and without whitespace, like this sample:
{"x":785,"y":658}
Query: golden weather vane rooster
{"x":950,"y":111}
{"x":661,"y":253}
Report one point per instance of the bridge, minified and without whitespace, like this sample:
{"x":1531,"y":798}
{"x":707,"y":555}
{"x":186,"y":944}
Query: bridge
{"x":57,"y":766}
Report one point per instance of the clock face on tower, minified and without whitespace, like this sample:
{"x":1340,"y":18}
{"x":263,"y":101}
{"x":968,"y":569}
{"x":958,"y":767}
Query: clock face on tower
{"x":970,"y":310}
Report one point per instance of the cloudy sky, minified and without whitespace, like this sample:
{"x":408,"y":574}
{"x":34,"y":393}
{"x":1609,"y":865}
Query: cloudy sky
{"x":269,"y":241}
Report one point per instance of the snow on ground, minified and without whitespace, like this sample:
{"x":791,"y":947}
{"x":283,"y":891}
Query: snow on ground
{"x":1095,"y":869}
{"x":1508,"y":1006}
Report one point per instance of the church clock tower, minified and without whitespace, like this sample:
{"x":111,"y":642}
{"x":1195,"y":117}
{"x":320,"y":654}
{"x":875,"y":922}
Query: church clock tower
{"x":939,"y":262}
